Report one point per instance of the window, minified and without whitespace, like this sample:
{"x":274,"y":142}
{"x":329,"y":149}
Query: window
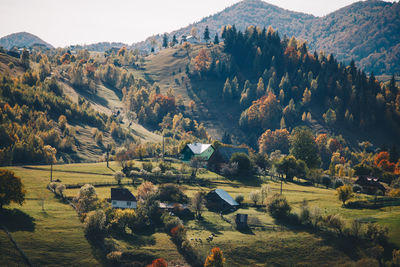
{"x":128,"y":203}
{"x":114,"y":202}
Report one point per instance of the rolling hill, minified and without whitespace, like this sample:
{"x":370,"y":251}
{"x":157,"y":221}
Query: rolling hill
{"x":367,"y":31}
{"x":22,"y":39}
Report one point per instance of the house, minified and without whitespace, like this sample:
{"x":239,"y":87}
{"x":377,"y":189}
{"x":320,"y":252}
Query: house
{"x":199,"y":150}
{"x":190,"y":39}
{"x":370,"y":185}
{"x":220,"y":200}
{"x":122,"y":198}
{"x":223,"y":155}
{"x":241,"y":221}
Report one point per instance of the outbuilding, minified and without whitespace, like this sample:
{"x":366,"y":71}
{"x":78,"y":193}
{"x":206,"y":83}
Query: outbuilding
{"x":220,"y":200}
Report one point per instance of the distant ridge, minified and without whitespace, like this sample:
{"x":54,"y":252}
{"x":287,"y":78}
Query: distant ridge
{"x":367,"y":31}
{"x":22,"y":39}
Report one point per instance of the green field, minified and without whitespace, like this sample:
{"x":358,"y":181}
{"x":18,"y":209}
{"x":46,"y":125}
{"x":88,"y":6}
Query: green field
{"x":55,"y":236}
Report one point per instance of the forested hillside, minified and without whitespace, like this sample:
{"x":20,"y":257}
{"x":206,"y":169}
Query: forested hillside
{"x":367,"y":31}
{"x":278,"y":83}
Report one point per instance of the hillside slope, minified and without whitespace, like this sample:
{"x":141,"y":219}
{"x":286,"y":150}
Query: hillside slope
{"x":366,"y":31}
{"x":22,"y":39}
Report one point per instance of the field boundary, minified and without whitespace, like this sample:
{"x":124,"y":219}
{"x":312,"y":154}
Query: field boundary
{"x":24,"y":256}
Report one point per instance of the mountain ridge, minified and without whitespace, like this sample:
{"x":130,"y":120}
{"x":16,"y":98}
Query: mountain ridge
{"x":22,"y":39}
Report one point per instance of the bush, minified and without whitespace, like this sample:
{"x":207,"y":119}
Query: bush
{"x":170,"y":222}
{"x":305,"y":214}
{"x":326,"y":181}
{"x":163,"y":166}
{"x":171,"y":193}
{"x":334,"y":222}
{"x":344,"y":193}
{"x":356,"y":228}
{"x":338,"y":183}
{"x":239,"y":199}
{"x":396,"y":257}
{"x":95,"y":224}
{"x":114,"y":257}
{"x":395,"y":183}
{"x":244,"y":162}
{"x":376,"y":233}
{"x":278,"y":207}
{"x":147,"y":166}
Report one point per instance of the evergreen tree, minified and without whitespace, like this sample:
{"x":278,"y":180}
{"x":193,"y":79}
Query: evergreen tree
{"x":165,"y":41}
{"x":206,"y":34}
{"x":216,"y":39}
{"x":174,"y":40}
{"x":235,"y":87}
{"x":260,"y":88}
{"x":227,"y":91}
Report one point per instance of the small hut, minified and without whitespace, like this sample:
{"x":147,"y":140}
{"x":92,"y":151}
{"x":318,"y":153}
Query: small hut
{"x":241,"y":221}
{"x":220,"y":200}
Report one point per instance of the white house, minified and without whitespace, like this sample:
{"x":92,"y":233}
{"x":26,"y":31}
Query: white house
{"x":122,"y":198}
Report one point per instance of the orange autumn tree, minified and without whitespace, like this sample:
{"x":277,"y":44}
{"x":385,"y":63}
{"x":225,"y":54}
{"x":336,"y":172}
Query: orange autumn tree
{"x":202,"y":61}
{"x":158,"y":263}
{"x":215,"y":259}
{"x":382,"y":160}
{"x":274,"y":140}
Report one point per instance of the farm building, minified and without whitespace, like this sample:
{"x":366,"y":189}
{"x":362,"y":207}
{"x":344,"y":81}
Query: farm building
{"x":370,"y":185}
{"x":203,"y":151}
{"x":122,"y":198}
{"x":241,"y":221}
{"x":222,"y":155}
{"x":220,"y":200}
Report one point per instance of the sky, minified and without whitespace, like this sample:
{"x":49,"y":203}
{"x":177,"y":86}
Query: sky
{"x":62,"y":23}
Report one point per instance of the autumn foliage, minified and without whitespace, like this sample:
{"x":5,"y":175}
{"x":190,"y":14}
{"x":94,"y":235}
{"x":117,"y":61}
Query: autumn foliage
{"x":215,"y":259}
{"x":274,"y":140}
{"x":202,"y":61}
{"x":158,"y":263}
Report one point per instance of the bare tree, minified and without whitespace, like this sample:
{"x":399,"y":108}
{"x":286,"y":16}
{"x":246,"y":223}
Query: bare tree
{"x":198,"y":203}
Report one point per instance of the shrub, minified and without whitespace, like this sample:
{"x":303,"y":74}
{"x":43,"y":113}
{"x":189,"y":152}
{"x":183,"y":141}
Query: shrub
{"x":316,"y":217}
{"x":357,"y":188}
{"x":278,"y":206}
{"x":376,"y":233}
{"x":344,"y":193}
{"x":244,"y":162}
{"x":338,"y":183}
{"x":95,"y":223}
{"x":215,"y":259}
{"x":229,"y":169}
{"x":355,"y":228}
{"x":305,"y":214}
{"x":118,"y":176}
{"x":178,"y":234}
{"x":394,"y":193}
{"x":158,"y":263}
{"x":145,"y":190}
{"x":395,"y":183}
{"x":163,"y":166}
{"x":335,"y":222}
{"x":114,"y":257}
{"x":396,"y":257}
{"x":171,"y":193}
{"x":147,"y":166}
{"x":170,"y":222}
{"x":156,"y":170}
{"x":326,"y":181}
{"x":254,"y":196}
{"x":239,"y":199}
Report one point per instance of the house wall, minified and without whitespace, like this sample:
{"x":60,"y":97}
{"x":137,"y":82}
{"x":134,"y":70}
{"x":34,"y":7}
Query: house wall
{"x":123,"y":204}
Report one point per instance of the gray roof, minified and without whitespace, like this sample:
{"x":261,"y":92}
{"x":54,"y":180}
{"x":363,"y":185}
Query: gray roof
{"x":198,"y":148}
{"x":225,"y":196}
{"x":226,"y":152}
{"x":122,"y":194}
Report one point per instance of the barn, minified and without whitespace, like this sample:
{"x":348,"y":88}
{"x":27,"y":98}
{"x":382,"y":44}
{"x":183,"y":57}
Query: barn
{"x":220,"y":200}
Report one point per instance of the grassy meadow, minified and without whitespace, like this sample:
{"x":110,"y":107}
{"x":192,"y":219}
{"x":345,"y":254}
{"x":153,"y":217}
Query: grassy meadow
{"x":55,"y":235}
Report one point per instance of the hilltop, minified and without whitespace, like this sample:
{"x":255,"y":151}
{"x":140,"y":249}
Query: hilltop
{"x":22,"y":39}
{"x":367,"y":31}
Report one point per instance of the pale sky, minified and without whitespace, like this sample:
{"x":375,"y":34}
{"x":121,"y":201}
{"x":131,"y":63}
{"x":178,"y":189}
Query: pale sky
{"x":63,"y":23}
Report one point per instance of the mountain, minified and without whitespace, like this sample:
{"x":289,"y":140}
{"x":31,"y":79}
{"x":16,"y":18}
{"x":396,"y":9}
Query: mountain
{"x":22,"y":39}
{"x":368,"y":32}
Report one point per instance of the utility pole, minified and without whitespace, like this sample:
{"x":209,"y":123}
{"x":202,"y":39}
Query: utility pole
{"x":281,"y":184}
{"x":108,"y":153}
{"x":51,"y":171}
